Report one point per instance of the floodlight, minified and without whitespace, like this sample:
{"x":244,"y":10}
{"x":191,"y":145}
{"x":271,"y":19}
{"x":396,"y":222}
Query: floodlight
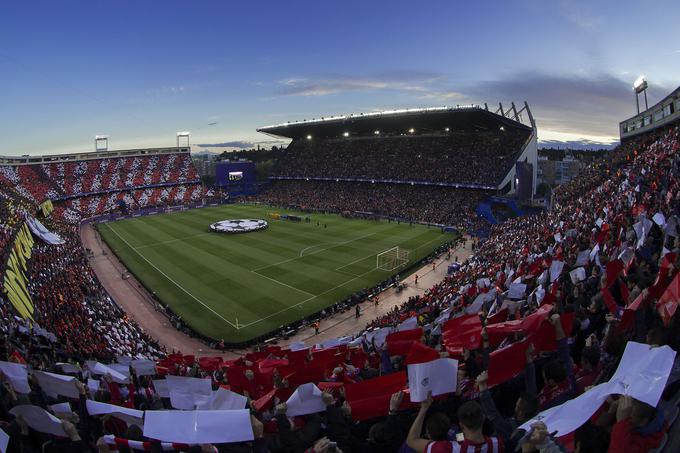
{"x":502,"y":128}
{"x":309,"y":137}
{"x":345,"y":134}
{"x":640,"y":84}
{"x":446,"y":129}
{"x":376,"y":132}
{"x":410,"y":131}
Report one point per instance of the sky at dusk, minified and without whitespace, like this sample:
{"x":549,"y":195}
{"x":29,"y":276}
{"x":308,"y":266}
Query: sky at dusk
{"x":140,"y":71}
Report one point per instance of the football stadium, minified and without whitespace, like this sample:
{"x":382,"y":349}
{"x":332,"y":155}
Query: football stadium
{"x":482,"y":276}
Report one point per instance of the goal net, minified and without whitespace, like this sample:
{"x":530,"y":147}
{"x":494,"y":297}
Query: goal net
{"x":392,"y":259}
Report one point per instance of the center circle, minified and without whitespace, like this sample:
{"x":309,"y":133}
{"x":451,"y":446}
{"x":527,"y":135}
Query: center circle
{"x":238,"y":225}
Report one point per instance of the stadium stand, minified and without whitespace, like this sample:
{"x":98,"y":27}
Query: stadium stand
{"x":428,"y":204}
{"x":476,"y":159}
{"x":548,"y":307}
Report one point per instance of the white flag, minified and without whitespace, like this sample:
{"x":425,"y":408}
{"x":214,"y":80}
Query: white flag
{"x":306,"y":399}
{"x":39,"y":419}
{"x":187,"y":393}
{"x":555,"y":269}
{"x":225,"y":400}
{"x":57,"y":384}
{"x":438,"y":376}
{"x":129,"y":416}
{"x":144,"y":367}
{"x":17,"y":375}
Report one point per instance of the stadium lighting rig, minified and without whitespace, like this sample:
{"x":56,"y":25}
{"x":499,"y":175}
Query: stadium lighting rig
{"x":183,"y":134}
{"x":101,"y":139}
{"x":640,"y":86}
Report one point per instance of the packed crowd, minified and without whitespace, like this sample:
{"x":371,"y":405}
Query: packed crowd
{"x":132,"y":200}
{"x":571,"y":310}
{"x":86,"y":176}
{"x":100,"y":186}
{"x":480,"y":158}
{"x":442,"y":205}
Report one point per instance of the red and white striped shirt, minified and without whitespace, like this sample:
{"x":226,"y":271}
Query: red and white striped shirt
{"x":490,"y":445}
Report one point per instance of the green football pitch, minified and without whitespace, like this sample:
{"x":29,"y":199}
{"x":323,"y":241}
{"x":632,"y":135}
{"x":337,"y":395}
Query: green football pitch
{"x":241,"y":286}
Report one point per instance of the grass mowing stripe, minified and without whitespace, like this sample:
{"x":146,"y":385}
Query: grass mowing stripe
{"x":169,"y":279}
{"x":217,"y":268}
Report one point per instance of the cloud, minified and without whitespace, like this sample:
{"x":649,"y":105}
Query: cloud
{"x":577,"y":104}
{"x":232,"y":144}
{"x":403,"y":80}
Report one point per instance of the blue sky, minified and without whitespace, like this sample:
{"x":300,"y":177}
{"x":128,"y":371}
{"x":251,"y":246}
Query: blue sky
{"x":142,"y":70}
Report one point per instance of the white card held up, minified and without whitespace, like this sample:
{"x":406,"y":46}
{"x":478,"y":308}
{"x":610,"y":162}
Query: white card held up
{"x":68,"y":368}
{"x":555,"y":269}
{"x":577,"y":275}
{"x":568,"y":417}
{"x":144,"y":367}
{"x":4,"y":441}
{"x":659,"y":219}
{"x":306,"y":399}
{"x":39,"y":419}
{"x":438,"y":376}
{"x":188,"y":393}
{"x":517,"y":290}
{"x":92,"y":384}
{"x":57,"y":384}
{"x":161,"y":387}
{"x":129,"y":416}
{"x":61,"y":408}
{"x":408,"y":324}
{"x":224,"y":400}
{"x":199,"y":427}
{"x":644,"y":370}
{"x":103,"y":370}
{"x":583,"y":258}
{"x":17,"y":375}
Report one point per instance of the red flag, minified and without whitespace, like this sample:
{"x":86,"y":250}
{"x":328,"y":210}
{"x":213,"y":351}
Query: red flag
{"x":464,"y":331}
{"x":267,"y":365}
{"x":330,"y":385}
{"x":399,"y":343}
{"x":628,"y":316}
{"x":500,"y":316}
{"x":609,"y":302}
{"x":297,"y":357}
{"x":544,"y":339}
{"x":420,"y":353}
{"x":264,"y":402}
{"x":614,"y":268}
{"x":371,"y":398}
{"x":532,"y":322}
{"x":210,"y":363}
{"x":663,"y":278}
{"x":668,"y":303}
{"x":506,"y":363}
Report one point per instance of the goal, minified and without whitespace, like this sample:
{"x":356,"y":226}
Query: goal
{"x":392,"y":259}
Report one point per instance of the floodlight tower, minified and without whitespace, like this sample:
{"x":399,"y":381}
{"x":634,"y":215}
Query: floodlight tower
{"x":101,"y":139}
{"x":640,"y":86}
{"x":184,"y":134}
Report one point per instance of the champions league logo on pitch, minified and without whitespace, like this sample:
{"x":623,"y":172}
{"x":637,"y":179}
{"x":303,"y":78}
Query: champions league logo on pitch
{"x":238,"y":225}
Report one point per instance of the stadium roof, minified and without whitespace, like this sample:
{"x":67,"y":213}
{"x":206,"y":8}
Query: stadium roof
{"x":390,"y":122}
